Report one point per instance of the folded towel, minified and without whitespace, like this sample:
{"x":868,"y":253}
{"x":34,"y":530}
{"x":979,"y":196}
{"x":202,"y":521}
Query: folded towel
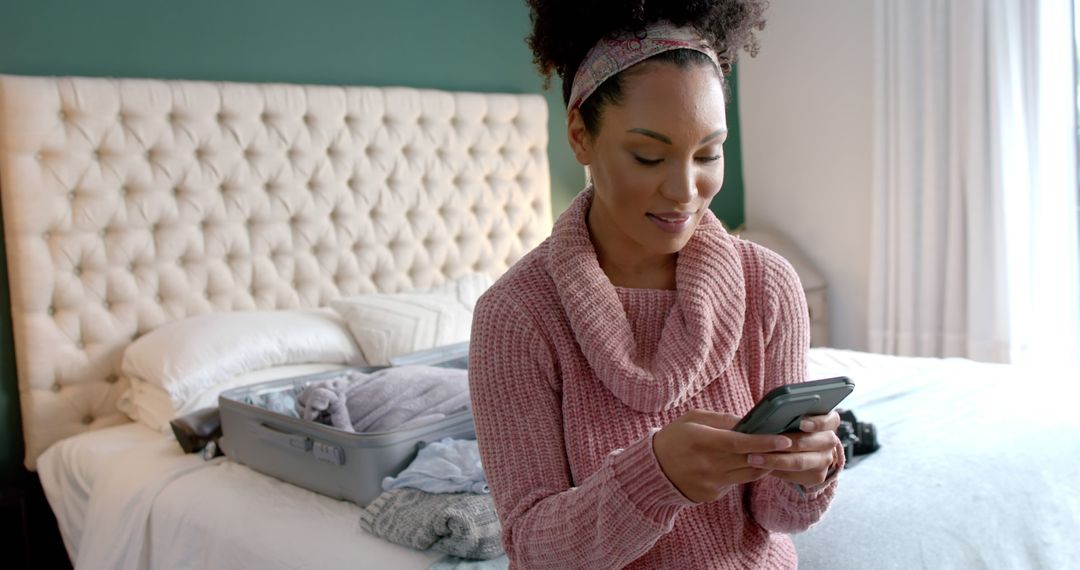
{"x":461,"y":524}
{"x":389,"y":399}
{"x":447,"y":466}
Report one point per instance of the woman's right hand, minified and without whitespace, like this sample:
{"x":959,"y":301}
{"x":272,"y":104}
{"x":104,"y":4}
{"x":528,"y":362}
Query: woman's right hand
{"x":704,"y":458}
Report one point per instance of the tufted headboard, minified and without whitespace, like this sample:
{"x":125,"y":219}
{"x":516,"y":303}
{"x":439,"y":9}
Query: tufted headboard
{"x":131,"y":203}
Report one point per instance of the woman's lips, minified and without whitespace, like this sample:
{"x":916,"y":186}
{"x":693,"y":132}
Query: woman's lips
{"x":670,"y":222}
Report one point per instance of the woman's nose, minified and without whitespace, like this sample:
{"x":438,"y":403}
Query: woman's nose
{"x":679,"y":187}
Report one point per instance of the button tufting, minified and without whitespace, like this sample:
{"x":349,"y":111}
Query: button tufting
{"x":56,"y":387}
{"x":87,"y":419}
{"x":80,"y":344}
{"x":111,"y":379}
{"x":45,"y":236}
{"x":51,"y":310}
{"x":77,"y":270}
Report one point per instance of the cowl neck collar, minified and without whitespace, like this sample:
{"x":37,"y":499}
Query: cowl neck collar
{"x":701,"y":332}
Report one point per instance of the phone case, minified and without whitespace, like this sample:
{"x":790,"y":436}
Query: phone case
{"x":781,"y":410}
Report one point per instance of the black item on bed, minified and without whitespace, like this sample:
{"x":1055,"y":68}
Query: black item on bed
{"x":198,"y":431}
{"x":858,"y":438}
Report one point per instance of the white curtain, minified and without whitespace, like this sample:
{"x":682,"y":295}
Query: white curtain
{"x":975,"y":246}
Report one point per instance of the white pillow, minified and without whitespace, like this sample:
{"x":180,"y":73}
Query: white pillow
{"x":151,"y":405}
{"x":392,"y":324}
{"x":186,"y":357}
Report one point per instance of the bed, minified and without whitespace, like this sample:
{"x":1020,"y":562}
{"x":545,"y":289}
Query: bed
{"x":131,"y":205}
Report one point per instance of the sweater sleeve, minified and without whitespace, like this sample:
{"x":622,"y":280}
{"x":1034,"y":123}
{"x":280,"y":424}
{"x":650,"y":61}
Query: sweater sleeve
{"x":775,"y":504}
{"x":609,"y":518}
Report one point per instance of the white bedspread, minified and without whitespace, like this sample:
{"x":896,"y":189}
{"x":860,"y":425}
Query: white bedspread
{"x":127,"y":498}
{"x":980,"y":468}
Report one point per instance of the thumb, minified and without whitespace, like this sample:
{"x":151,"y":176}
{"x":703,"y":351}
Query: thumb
{"x":716,"y":420}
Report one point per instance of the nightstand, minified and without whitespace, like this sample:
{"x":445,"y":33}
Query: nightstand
{"x":812,"y":281}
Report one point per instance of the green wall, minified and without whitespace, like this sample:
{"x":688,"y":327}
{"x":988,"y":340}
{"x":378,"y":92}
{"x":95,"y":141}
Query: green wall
{"x":470,"y":45}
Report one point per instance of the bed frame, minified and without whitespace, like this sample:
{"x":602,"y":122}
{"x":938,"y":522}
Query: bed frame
{"x":128,"y":204}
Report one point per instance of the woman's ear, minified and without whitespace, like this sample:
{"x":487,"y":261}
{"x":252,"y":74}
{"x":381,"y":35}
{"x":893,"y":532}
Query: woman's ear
{"x":578,"y":136}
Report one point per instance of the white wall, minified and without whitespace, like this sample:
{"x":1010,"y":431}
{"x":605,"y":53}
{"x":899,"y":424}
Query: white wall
{"x":806,"y":104}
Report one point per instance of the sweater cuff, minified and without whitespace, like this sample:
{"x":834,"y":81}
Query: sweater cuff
{"x":640,"y":477}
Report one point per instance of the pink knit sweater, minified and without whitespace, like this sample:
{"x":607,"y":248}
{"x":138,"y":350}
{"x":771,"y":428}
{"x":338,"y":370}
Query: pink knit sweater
{"x":571,"y":377}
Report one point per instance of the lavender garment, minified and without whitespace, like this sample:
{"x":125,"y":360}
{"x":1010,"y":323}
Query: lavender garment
{"x":446,"y":466}
{"x":388,"y":399}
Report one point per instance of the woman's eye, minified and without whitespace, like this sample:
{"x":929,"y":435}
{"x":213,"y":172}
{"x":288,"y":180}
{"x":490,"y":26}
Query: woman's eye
{"x":708,"y":158}
{"x":647,"y":161}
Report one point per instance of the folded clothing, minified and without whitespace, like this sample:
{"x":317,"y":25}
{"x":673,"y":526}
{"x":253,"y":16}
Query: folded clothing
{"x":461,"y":524}
{"x":451,"y":562}
{"x":446,"y":466}
{"x":399,"y":397}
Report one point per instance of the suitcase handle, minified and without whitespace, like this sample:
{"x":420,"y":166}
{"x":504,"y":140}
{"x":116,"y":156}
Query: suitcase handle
{"x":327,"y":452}
{"x":273,"y":435}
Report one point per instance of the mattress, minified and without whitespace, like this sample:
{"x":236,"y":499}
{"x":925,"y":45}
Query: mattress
{"x":215,"y":515}
{"x":978,"y":469}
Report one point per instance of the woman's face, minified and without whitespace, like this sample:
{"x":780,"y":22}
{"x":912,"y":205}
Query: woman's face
{"x":656,"y":161}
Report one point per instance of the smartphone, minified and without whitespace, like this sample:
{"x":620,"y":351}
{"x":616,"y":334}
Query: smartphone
{"x":781,"y":410}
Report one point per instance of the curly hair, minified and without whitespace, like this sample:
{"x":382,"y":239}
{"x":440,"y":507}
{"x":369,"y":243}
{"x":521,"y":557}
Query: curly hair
{"x":563,"y":31}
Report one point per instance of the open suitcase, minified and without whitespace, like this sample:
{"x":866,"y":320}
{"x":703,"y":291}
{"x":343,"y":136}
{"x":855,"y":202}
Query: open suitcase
{"x":336,"y":463}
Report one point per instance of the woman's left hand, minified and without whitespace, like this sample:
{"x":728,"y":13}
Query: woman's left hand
{"x":811,"y":456}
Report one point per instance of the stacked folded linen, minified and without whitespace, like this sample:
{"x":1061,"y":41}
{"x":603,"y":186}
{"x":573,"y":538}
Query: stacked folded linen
{"x":440,"y":502}
{"x":461,"y":524}
{"x":446,"y":466}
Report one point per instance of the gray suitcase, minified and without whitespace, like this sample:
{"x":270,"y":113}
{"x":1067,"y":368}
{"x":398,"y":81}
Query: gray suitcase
{"x":339,"y":464}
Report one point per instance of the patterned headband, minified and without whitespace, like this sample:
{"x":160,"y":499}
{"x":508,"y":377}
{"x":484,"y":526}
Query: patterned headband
{"x":612,"y":55}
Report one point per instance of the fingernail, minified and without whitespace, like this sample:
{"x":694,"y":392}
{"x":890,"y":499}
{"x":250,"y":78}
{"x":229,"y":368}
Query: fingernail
{"x":783,"y":443}
{"x":757,"y":460}
{"x":807,"y":425}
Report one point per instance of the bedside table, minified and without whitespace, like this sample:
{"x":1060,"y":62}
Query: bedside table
{"x":812,"y":281}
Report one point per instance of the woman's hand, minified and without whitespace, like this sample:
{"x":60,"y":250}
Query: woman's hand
{"x":703,"y":458}
{"x":811,"y":455}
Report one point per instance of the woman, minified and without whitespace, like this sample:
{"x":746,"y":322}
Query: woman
{"x":610,"y":364}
